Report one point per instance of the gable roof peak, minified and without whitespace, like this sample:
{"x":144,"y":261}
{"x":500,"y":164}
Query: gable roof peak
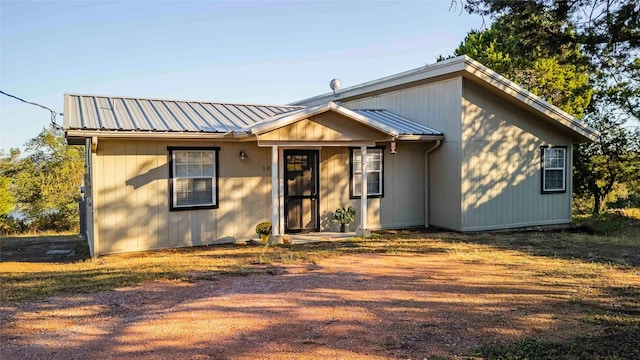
{"x":468,"y":68}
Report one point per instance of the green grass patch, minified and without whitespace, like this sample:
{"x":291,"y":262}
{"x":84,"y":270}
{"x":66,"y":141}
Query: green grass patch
{"x":615,"y":341}
{"x":620,"y":223}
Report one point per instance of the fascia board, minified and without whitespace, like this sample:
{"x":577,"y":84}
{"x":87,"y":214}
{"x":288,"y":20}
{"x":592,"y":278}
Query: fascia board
{"x":288,"y":119}
{"x":279,"y":121}
{"x":152,"y":135}
{"x":467,"y":67}
{"x":319,"y":144}
{"x":442,"y":68}
{"x":508,"y":87}
{"x":420,"y":137}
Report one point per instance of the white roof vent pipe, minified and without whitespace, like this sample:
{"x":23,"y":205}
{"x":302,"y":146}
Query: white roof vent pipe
{"x":335,"y":86}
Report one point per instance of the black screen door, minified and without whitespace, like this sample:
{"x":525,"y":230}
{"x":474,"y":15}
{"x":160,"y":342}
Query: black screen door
{"x":301,"y":191}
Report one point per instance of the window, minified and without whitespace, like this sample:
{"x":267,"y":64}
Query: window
{"x":553,"y":163}
{"x":193,"y":182}
{"x":375,"y":162}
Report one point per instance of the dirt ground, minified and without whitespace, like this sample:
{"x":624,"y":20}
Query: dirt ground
{"x":35,"y":249}
{"x":373,"y":306}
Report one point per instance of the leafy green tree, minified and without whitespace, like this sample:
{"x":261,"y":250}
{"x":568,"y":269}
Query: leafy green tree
{"x":560,"y":77}
{"x":609,"y":160}
{"x":6,"y":199}
{"x":9,"y":165}
{"x":582,"y":56}
{"x":46,"y":182}
{"x":607,"y":32}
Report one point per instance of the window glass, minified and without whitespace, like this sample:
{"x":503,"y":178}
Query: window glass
{"x":194,"y":180}
{"x":553,"y":169}
{"x":374,"y":160}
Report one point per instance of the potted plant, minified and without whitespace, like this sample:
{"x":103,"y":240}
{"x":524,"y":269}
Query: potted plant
{"x":345,"y":216}
{"x":264,"y":230}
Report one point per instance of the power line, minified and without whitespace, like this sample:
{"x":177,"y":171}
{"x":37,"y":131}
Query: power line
{"x":53,"y":113}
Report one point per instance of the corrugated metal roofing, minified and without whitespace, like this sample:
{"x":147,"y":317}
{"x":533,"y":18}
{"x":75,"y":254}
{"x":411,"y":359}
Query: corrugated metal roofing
{"x":106,"y":113}
{"x":403,"y":125}
{"x":90,"y":112}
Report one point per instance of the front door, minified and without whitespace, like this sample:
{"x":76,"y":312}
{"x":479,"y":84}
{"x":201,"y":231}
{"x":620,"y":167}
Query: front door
{"x":301,"y":191}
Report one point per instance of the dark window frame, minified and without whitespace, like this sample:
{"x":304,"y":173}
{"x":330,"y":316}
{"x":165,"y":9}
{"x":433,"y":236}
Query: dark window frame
{"x":543,"y":170}
{"x":352,"y":173}
{"x":216,"y":151}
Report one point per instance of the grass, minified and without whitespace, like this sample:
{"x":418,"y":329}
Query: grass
{"x":620,"y":223}
{"x":618,"y":339}
{"x":603,"y":268}
{"x":555,"y":254}
{"x":25,"y":280}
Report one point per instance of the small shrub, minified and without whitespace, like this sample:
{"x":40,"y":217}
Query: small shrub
{"x":9,"y":225}
{"x":345,"y":215}
{"x":629,"y":201}
{"x":263,"y":228}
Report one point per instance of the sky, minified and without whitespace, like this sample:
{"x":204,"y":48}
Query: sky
{"x":260,"y":52}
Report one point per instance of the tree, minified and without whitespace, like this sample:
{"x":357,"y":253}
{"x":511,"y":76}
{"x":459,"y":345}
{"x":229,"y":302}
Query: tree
{"x":551,"y":47}
{"x":46,"y":182}
{"x":607,"y":32}
{"x":560,"y":77}
{"x":6,"y":199}
{"x":609,"y":160}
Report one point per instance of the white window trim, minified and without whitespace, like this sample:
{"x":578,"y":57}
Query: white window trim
{"x":356,"y":190}
{"x":545,"y":169}
{"x":173,"y":178}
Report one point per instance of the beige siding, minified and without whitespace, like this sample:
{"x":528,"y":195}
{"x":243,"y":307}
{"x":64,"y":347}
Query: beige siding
{"x":323,"y":127}
{"x":132,"y":205}
{"x":402,"y":204}
{"x":444,"y":186}
{"x":403,"y":201}
{"x":334,"y":185}
{"x":436,"y":105}
{"x":501,"y":165}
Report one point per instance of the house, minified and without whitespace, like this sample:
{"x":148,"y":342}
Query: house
{"x":452,"y":144}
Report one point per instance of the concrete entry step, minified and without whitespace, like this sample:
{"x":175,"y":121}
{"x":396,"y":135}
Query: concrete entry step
{"x":304,"y":238}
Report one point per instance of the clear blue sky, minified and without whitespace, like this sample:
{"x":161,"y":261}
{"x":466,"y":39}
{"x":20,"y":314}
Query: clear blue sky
{"x":246,"y":52}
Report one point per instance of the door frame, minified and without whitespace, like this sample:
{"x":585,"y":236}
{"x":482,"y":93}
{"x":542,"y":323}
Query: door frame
{"x":316,"y":180}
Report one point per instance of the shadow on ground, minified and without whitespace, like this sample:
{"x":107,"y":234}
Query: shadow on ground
{"x":43,"y":249}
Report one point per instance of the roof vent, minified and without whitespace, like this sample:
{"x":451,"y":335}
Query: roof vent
{"x":334,"y":85}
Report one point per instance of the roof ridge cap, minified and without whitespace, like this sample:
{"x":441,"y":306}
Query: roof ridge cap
{"x":183,"y":100}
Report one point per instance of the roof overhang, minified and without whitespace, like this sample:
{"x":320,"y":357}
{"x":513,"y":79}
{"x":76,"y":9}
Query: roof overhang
{"x":478,"y":72}
{"x":252,"y":133}
{"x":466,"y":67}
{"x":292,"y":117}
{"x":74,"y":137}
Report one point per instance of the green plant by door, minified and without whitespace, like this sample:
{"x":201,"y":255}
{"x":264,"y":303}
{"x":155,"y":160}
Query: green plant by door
{"x":263,"y":229}
{"x":345,"y":216}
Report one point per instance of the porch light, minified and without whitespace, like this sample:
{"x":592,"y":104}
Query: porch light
{"x":243,"y":155}
{"x":393,"y":147}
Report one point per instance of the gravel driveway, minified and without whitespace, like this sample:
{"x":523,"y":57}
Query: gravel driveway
{"x":357,"y":306}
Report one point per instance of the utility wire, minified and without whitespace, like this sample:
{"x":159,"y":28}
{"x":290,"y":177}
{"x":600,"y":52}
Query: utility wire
{"x":53,"y":113}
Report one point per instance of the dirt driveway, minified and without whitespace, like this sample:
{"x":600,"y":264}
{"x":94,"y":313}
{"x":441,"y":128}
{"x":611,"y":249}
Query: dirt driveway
{"x":371,"y":306}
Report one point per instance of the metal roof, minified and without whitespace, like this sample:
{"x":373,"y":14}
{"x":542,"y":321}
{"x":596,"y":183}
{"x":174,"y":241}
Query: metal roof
{"x":90,"y":112}
{"x":141,"y":115}
{"x":402,"y":125}
{"x":470,"y":69}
